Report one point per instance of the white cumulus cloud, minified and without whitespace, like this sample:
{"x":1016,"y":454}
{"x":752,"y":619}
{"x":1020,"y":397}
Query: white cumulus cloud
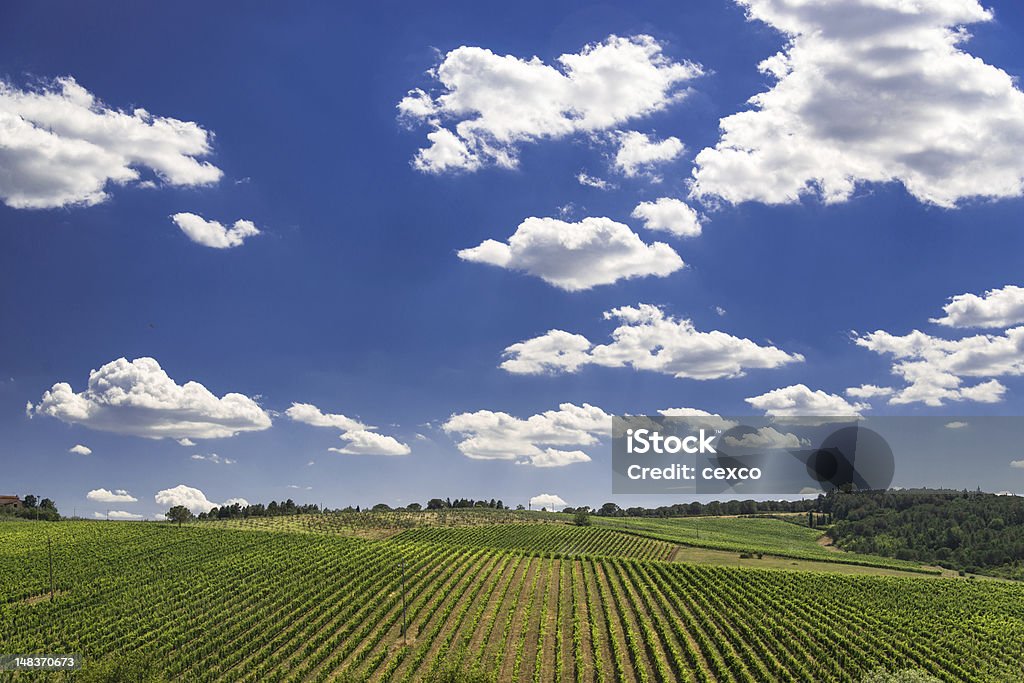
{"x":538,"y":440}
{"x":214,"y":234}
{"x":138,"y":398}
{"x":997,"y":308}
{"x":800,"y":401}
{"x":60,"y":146}
{"x":192,"y":498}
{"x":868,"y":391}
{"x":487,"y":105}
{"x":577,"y":256}
{"x":360,"y":439}
{"x":79,"y":449}
{"x":669,"y":215}
{"x":871,"y":91}
{"x":105,"y":496}
{"x":934,"y":368}
{"x":242,"y":502}
{"x":647,"y":339}
{"x":547,"y":500}
{"x":702,"y":418}
{"x":307,"y":413}
{"x":364,"y":442}
{"x":639,"y":154}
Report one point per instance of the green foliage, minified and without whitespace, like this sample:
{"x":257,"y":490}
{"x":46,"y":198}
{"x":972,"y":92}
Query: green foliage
{"x":33,"y":508}
{"x":127,"y":668}
{"x":904,"y":676}
{"x":581,"y":518}
{"x":748,"y":535}
{"x":179,"y":514}
{"x":222,"y":604}
{"x":963,"y":530}
{"x":561,"y":540}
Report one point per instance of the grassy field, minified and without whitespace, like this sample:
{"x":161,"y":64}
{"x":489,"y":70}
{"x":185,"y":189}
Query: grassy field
{"x":207,"y":603}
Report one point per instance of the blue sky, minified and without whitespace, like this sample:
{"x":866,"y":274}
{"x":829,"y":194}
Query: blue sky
{"x":353,"y":297}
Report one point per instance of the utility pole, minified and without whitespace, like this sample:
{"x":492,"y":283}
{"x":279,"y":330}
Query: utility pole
{"x":49,"y":552}
{"x":405,"y":639}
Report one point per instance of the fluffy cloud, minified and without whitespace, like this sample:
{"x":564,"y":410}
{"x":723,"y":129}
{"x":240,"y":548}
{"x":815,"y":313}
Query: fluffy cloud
{"x":669,"y":215}
{"x":1019,"y":464}
{"x":547,"y":500}
{"x":998,"y":308}
{"x":364,"y":442}
{"x":105,"y":496}
{"x":488,"y":104}
{"x":868,"y":391}
{"x":956,"y":424}
{"x":60,"y":146}
{"x":307,"y":413}
{"x":933,"y":368}
{"x":646,"y":339}
{"x":116,"y":514}
{"x":186,"y":442}
{"x":79,"y":449}
{"x":192,"y":498}
{"x":214,"y":458}
{"x":360,"y":439}
{"x":799,"y":401}
{"x":236,"y":501}
{"x":577,"y":256}
{"x":138,"y":398}
{"x":552,"y":457}
{"x":638,"y":154}
{"x":766,"y":437}
{"x":696,"y":416}
{"x":214,"y":234}
{"x":871,"y":91}
{"x":488,"y":435}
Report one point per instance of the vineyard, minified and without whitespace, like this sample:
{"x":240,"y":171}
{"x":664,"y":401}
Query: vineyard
{"x":206,"y":603}
{"x":382,"y":524}
{"x":749,"y":535}
{"x":547,"y":539}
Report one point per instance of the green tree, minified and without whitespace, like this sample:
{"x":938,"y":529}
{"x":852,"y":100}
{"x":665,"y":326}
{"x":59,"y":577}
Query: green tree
{"x":179,"y":514}
{"x":581,"y":518}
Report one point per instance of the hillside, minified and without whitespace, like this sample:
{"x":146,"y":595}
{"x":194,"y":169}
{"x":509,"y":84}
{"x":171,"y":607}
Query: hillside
{"x":206,"y":603}
{"x":970,"y":531}
{"x":751,"y":535}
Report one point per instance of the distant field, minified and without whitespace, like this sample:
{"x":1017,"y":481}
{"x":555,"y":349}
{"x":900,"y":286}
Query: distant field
{"x":206,"y":603}
{"x":383,"y":524}
{"x":736,"y":534}
{"x":748,"y":535}
{"x":549,"y":539}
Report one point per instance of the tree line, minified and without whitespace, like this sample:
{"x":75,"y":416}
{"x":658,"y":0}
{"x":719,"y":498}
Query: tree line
{"x":696,"y":509}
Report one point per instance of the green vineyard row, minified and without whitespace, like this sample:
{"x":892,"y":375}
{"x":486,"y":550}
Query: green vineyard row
{"x":212,"y":604}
